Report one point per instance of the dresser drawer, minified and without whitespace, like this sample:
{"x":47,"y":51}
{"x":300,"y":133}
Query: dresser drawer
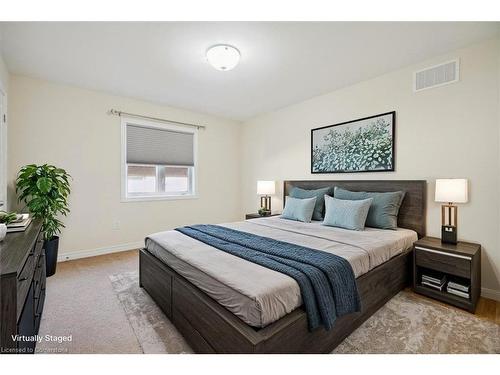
{"x":31,"y":262}
{"x":28,"y":268}
{"x":454,"y":264}
{"x":37,"y":282}
{"x":26,"y":323}
{"x":39,"y":245}
{"x":39,"y":278}
{"x":24,"y":279}
{"x":41,"y":267}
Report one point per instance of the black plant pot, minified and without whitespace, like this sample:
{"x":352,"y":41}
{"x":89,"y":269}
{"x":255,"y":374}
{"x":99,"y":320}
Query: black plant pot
{"x":51,"y":248}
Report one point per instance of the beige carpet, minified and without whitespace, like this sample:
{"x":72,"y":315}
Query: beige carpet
{"x":406,"y":324}
{"x":81,"y":302}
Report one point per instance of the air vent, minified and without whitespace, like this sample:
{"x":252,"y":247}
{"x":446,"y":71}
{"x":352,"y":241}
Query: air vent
{"x":435,"y":76}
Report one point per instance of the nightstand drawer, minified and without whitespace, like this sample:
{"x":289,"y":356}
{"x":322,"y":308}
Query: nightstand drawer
{"x":454,"y":264}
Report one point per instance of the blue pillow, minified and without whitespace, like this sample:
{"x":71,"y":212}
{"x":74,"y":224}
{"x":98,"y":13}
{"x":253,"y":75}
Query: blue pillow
{"x":384,"y":210}
{"x":346,"y":214}
{"x":297,"y":192}
{"x":299,"y":209}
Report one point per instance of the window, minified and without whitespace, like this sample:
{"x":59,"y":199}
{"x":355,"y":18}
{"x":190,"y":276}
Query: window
{"x":158,"y":161}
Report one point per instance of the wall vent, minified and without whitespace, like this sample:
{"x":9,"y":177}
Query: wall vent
{"x":437,"y":75}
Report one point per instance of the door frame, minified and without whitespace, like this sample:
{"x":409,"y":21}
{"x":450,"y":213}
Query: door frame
{"x":3,"y":147}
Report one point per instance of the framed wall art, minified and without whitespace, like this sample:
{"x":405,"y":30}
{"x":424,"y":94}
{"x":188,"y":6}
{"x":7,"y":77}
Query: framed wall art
{"x":363,"y":145}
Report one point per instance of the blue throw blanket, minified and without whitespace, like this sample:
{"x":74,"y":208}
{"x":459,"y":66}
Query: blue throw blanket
{"x":327,"y":283}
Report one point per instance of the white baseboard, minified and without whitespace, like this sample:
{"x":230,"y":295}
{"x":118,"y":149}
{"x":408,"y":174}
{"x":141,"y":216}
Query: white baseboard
{"x":99,"y":251}
{"x":490,"y":293}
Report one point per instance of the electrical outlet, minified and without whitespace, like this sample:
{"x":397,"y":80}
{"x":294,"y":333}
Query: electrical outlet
{"x":115,"y":225}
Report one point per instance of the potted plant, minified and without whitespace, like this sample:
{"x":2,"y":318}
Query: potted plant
{"x":5,"y":219}
{"x":45,"y":189}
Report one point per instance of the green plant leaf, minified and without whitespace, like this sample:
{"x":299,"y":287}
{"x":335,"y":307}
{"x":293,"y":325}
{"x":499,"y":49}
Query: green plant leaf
{"x":44,"y":184}
{"x":7,"y":217}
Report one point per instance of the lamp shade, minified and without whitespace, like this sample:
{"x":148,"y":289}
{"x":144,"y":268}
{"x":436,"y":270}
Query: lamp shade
{"x":266,"y":187}
{"x":451,"y":190}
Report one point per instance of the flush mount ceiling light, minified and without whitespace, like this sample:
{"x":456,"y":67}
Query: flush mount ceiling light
{"x":223,"y":57}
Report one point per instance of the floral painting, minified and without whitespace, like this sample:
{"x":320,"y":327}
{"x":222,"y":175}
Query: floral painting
{"x":364,"y":145}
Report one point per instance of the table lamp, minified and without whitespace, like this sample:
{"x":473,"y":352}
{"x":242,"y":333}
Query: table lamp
{"x":265,"y":189}
{"x":450,"y":190}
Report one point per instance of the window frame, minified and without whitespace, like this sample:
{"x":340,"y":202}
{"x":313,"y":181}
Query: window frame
{"x":125,"y":197}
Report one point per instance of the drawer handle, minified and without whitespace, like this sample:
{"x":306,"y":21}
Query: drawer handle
{"x":443,"y":253}
{"x":23,"y":279}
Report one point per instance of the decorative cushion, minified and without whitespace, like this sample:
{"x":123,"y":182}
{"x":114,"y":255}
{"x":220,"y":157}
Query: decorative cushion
{"x":348,"y":214}
{"x":299,"y":209}
{"x":297,"y":192}
{"x":384,"y":210}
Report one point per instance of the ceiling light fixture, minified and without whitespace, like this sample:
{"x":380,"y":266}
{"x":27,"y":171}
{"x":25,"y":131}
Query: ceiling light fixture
{"x":223,"y":57}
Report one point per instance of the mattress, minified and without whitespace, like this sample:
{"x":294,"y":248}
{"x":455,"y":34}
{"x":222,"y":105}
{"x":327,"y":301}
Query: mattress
{"x":258,"y":295}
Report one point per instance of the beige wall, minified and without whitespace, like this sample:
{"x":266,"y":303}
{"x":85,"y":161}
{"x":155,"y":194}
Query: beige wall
{"x":69,"y":127}
{"x":451,"y":131}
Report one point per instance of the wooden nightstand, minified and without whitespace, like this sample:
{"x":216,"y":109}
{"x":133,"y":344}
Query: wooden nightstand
{"x":460,"y":263}
{"x":256,"y":216}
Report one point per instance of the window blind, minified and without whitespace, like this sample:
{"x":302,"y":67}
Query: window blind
{"x":159,"y":146}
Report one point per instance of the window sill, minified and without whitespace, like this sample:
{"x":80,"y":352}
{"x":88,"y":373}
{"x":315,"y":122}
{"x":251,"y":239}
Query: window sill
{"x":159,"y":198}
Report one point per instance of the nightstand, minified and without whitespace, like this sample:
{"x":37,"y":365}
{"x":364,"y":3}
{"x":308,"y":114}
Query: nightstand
{"x":460,"y":264}
{"x":256,"y":216}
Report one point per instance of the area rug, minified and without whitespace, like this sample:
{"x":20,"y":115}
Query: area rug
{"x":408,"y":323}
{"x":155,"y":333}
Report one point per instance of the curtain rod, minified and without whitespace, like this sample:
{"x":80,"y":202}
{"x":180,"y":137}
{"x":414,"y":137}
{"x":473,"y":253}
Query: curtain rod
{"x":120,"y":113}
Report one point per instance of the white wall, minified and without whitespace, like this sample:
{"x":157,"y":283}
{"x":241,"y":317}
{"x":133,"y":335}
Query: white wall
{"x":451,"y":131}
{"x":69,"y":127}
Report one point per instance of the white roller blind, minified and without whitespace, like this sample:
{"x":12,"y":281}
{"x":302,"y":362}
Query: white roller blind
{"x":159,"y":146}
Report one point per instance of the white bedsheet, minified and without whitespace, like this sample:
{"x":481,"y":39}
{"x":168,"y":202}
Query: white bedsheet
{"x":260,"y":296}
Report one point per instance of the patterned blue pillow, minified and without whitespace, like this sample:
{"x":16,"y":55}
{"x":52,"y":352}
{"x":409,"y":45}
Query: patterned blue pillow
{"x":346,"y":213}
{"x":298,"y":209}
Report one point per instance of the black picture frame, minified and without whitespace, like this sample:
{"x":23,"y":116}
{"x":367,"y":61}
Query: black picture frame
{"x":392,"y":167}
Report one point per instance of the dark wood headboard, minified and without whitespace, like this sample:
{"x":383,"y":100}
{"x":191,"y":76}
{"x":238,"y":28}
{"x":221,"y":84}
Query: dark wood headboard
{"x":412,"y":214}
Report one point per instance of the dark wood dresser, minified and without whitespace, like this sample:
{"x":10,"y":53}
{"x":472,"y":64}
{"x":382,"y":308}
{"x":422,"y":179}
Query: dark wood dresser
{"x":22,"y":288}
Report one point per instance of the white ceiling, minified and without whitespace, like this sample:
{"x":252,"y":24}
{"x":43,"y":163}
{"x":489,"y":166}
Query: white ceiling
{"x":282,"y":62}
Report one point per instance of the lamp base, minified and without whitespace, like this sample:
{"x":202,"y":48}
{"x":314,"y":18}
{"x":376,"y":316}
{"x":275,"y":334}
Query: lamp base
{"x":449,"y":234}
{"x":264,"y":212}
{"x":265,"y":203}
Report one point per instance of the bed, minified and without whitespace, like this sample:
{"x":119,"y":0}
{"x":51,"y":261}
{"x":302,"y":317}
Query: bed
{"x":224,"y":304}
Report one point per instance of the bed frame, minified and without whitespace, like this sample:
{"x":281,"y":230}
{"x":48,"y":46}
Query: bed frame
{"x":210,"y":328}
